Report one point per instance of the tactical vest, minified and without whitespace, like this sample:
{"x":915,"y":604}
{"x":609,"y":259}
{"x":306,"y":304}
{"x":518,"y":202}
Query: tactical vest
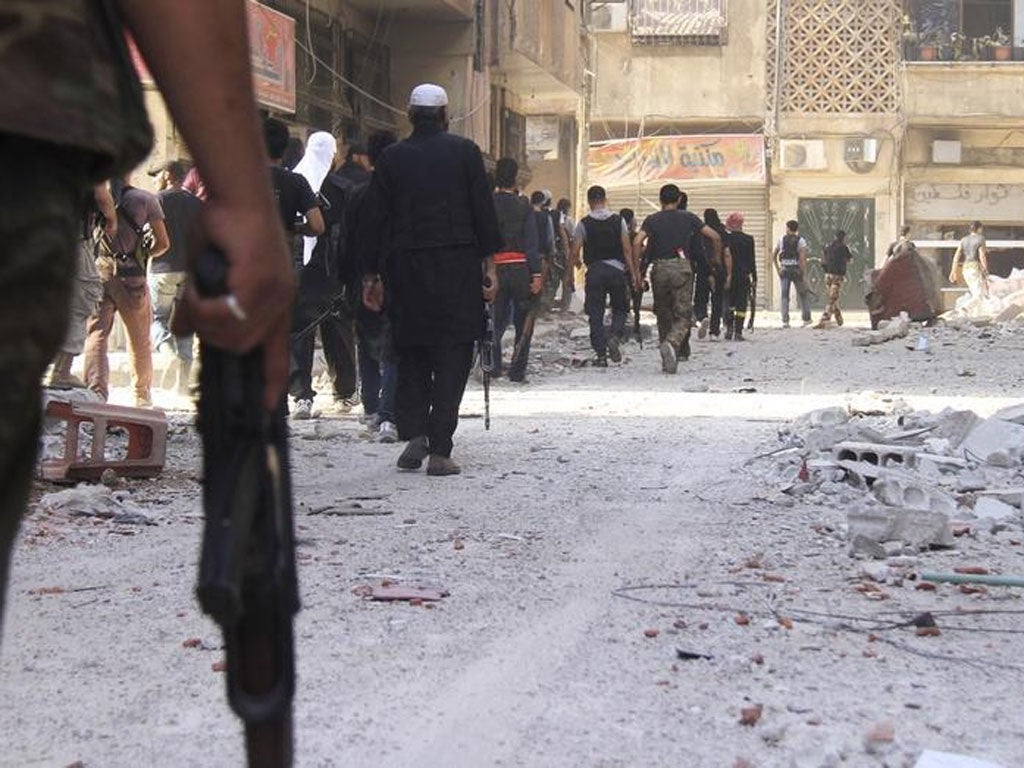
{"x":512,"y":211}
{"x":604,"y":239}
{"x":790,"y":256}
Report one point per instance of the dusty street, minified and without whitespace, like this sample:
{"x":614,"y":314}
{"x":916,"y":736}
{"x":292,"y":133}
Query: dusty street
{"x":609,"y":520}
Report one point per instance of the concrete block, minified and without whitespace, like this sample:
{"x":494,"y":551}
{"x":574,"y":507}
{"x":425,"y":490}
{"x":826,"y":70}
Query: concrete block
{"x":996,"y":442}
{"x":880,"y":454}
{"x":894,"y":492}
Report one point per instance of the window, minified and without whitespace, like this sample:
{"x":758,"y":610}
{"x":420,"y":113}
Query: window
{"x":609,"y":15}
{"x":678,"y":22}
{"x":958,"y":30}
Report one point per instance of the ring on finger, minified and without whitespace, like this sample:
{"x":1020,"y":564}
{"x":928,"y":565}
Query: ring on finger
{"x":235,"y":308}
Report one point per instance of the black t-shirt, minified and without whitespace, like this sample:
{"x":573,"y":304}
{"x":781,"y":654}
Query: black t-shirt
{"x":181,"y":209}
{"x":294,"y":195}
{"x":741,"y":246}
{"x":668,"y":232}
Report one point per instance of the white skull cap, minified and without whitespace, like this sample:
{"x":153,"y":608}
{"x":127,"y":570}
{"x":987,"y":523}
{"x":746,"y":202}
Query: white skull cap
{"x":428,"y":95}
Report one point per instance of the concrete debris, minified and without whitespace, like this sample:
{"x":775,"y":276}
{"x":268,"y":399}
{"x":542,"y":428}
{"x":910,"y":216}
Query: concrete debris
{"x":989,"y":508}
{"x":97,"y":501}
{"x":901,"y":490}
{"x":918,"y":528}
{"x":1014,"y":413}
{"x":897,"y":328}
{"x":932,"y":759}
{"x":894,"y":493}
{"x":996,"y":442}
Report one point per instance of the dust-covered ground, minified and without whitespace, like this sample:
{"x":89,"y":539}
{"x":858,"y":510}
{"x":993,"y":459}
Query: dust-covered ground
{"x":609,"y":520}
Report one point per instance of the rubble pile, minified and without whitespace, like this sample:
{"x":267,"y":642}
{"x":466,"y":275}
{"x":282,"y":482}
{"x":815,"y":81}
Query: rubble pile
{"x":908,"y":481}
{"x":1004,"y":303}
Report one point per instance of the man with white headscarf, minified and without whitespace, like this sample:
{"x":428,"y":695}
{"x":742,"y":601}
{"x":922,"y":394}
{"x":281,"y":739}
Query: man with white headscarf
{"x":323,"y":300}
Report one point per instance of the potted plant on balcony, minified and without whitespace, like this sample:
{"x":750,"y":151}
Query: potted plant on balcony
{"x":1001,"y":48}
{"x":928,"y":46}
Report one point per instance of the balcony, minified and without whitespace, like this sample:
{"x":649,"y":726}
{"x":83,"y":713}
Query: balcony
{"x":954,"y":92}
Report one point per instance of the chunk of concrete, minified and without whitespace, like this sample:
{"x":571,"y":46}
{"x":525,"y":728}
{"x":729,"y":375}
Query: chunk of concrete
{"x":988,"y":508}
{"x":823,"y":417}
{"x":955,"y":425}
{"x":1014,"y":413}
{"x":917,"y":528}
{"x":996,"y":442}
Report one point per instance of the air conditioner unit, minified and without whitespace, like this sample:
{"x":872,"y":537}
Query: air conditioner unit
{"x":947,"y":152}
{"x":609,"y":16}
{"x":802,"y":155}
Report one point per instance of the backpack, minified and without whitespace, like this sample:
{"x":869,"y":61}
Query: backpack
{"x":790,"y":256}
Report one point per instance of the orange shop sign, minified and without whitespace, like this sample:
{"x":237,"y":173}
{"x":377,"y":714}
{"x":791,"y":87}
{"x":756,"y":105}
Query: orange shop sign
{"x":272,"y":47}
{"x":677,"y":158}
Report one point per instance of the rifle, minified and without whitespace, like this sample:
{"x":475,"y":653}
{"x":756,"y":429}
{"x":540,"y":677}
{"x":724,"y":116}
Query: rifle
{"x":638,"y":297}
{"x":487,"y":360}
{"x":247,"y":580}
{"x":752,"y":299}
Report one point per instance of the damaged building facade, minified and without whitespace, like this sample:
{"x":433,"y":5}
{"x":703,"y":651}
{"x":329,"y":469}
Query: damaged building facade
{"x":870,"y":113}
{"x":513,"y":72}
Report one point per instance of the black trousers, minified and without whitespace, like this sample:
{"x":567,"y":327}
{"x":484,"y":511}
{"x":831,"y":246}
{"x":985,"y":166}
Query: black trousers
{"x":431,"y":382}
{"x":605,"y":285}
{"x":514,"y":301}
{"x":703,"y":294}
{"x":338,"y":335}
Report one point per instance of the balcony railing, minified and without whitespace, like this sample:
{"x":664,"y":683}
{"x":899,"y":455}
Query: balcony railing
{"x":962,"y":49}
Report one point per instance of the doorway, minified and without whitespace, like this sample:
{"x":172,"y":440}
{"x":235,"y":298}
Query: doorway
{"x":820,"y":218}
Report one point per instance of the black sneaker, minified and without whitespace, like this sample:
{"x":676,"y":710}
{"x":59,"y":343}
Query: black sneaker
{"x":600,"y":362}
{"x":613,"y":350}
{"x":414,"y":454}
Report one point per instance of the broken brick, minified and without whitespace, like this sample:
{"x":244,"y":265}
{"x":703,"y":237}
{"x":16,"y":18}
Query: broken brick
{"x":750,"y":715}
{"x":651,"y":633}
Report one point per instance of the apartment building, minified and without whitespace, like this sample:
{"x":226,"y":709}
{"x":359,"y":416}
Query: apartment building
{"x":870,"y":114}
{"x":513,"y":72}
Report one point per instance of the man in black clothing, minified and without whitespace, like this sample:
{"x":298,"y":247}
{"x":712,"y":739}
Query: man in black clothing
{"x":168,"y":272}
{"x":518,"y":266}
{"x":356,"y":167}
{"x":837,"y":257}
{"x":300,"y":216}
{"x":603,"y":238}
{"x":744,"y":275}
{"x":664,"y":241}
{"x":431,"y":233}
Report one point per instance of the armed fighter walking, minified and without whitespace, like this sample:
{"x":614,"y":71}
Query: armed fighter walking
{"x":664,"y":241}
{"x":603,"y":237}
{"x":518,"y":266}
{"x":429,"y":209}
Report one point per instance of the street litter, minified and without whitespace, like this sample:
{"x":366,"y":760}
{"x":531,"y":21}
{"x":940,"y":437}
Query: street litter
{"x":391,"y":592}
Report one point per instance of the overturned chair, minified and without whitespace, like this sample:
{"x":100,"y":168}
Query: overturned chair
{"x":147,"y":441}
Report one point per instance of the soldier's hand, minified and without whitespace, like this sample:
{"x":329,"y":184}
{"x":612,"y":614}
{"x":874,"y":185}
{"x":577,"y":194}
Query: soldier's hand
{"x":261,"y":285}
{"x":536,"y":283}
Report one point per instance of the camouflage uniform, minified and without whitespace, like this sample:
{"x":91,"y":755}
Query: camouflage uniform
{"x":71,"y":115}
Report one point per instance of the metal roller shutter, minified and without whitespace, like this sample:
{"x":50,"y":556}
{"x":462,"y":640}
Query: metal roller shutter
{"x":750,"y":200}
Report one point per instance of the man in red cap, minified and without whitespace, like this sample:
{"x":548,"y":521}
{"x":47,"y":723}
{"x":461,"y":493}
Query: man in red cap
{"x":744,"y":275}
